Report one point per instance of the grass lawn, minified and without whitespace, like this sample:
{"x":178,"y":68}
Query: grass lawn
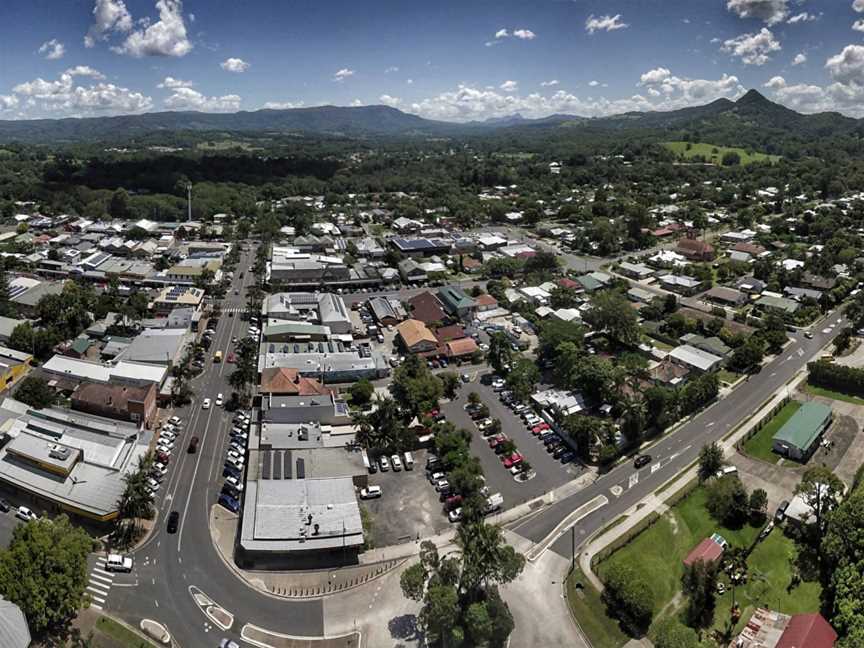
{"x":657,"y":552}
{"x":770,"y":573}
{"x":589,"y":609}
{"x":707,"y":151}
{"x":109,"y":633}
{"x":727,"y":376}
{"x":759,"y":445}
{"x":834,"y":395}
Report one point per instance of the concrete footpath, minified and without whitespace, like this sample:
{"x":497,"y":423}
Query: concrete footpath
{"x":656,"y":501}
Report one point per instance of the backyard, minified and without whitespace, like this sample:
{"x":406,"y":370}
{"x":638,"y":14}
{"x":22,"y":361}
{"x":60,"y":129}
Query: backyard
{"x":759,"y":445}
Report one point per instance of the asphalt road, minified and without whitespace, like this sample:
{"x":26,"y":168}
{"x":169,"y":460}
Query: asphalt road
{"x":624,"y":486}
{"x":168,"y":565}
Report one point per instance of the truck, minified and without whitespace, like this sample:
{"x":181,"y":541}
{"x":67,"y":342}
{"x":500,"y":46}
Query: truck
{"x":217,"y":357}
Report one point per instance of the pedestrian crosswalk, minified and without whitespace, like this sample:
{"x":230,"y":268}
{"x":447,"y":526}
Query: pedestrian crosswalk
{"x":235,"y":309}
{"x":99,"y":582}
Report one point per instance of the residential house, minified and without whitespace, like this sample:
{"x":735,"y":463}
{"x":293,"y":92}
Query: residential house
{"x":289,"y":381}
{"x":415,"y":337}
{"x":426,"y":308}
{"x":781,"y":305}
{"x":695,"y":359}
{"x":635,"y":270}
{"x":456,"y":302}
{"x":681,"y":284}
{"x":411,"y":271}
{"x":695,"y":249}
{"x":726,"y":296}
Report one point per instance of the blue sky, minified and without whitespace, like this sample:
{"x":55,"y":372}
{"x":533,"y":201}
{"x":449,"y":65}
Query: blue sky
{"x":445,"y":59}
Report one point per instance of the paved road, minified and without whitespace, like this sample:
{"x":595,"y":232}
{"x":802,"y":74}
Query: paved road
{"x":625,"y":486}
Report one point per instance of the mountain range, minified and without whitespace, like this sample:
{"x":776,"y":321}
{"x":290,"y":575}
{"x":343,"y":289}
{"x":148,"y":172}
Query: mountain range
{"x":751,"y":111}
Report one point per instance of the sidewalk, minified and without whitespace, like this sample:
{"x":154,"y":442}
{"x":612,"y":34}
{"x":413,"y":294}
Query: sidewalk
{"x":656,"y":501}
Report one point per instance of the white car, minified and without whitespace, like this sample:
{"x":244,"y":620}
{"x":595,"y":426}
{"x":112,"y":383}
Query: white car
{"x":164,"y":450}
{"x":237,"y":463}
{"x":205,"y":404}
{"x":455,"y":515}
{"x":219,"y":399}
{"x":159,"y":470}
{"x":236,"y":483}
{"x":24,"y":513}
{"x":166,"y":443}
{"x":485,"y":423}
{"x":371,"y":492}
{"x":235,"y":454}
{"x":167,"y":434}
{"x":152,"y":484}
{"x":396,"y":462}
{"x":174,"y":420}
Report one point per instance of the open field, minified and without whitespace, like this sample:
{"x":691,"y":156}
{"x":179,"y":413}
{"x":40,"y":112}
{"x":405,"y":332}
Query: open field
{"x":714,"y":154}
{"x":833,"y":395}
{"x":759,"y":445}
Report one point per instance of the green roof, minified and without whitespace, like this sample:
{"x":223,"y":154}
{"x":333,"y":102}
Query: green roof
{"x":805,"y":425}
{"x":80,"y":345}
{"x":780,"y":303}
{"x":455,"y":298}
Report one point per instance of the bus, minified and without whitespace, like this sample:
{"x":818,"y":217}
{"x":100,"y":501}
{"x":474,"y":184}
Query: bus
{"x":217,"y":357}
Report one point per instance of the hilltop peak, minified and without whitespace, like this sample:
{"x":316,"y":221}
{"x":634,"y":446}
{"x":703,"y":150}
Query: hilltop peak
{"x":752,"y":97}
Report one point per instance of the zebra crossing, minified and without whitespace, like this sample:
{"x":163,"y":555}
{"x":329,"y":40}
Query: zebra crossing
{"x":99,"y":583}
{"x":235,"y":309}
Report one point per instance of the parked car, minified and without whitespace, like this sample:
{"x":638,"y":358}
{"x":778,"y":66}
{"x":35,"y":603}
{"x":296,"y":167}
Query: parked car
{"x":435,"y":477}
{"x":497,"y":440}
{"x":5,"y":506}
{"x":780,"y":513}
{"x":24,"y":513}
{"x":205,"y":404}
{"x":231,"y":471}
{"x":453,"y":502}
{"x":229,"y":503}
{"x":219,"y":399}
{"x":383,"y":463}
{"x":538,"y":429}
{"x":567,"y":457}
{"x":396,"y":462}
{"x":513,"y":460}
{"x":174,"y":420}
{"x":455,"y":515}
{"x":118,"y":563}
{"x":370,"y":492}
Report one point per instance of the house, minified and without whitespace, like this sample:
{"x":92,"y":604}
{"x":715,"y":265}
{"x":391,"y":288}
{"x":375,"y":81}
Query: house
{"x":753,"y":249}
{"x":799,"y":437}
{"x":770,"y":629}
{"x":667,"y":373}
{"x":121,"y":402}
{"x":709,"y":550}
{"x":411,"y":271}
{"x":640,"y":295}
{"x":800,"y":294}
{"x":388,"y":312}
{"x":415,"y":337}
{"x":695,"y":359}
{"x":485,"y":302}
{"x":710,"y":344}
{"x":289,"y":381}
{"x":13,"y":365}
{"x":681,"y":284}
{"x":403,"y":224}
{"x":750,"y":285}
{"x":456,"y":302}
{"x":777,"y":304}
{"x":172,"y":297}
{"x":7,"y":325}
{"x":635,"y":270}
{"x":448,"y":333}
{"x":695,"y":249}
{"x":427,"y":308}
{"x":461,"y":348}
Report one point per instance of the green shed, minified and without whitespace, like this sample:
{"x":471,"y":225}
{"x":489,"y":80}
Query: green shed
{"x":799,"y":436}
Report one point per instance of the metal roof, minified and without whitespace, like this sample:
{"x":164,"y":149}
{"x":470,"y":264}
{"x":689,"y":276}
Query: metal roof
{"x":804,"y":426}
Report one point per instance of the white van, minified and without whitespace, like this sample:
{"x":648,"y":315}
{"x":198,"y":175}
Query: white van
{"x":409,"y":461}
{"x":118,"y":562}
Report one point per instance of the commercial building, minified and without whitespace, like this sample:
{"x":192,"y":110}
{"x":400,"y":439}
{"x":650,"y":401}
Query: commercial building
{"x":172,"y":297}
{"x":67,"y":460}
{"x":289,"y":266}
{"x":799,"y":436}
{"x":415,"y":337}
{"x":456,"y":302}
{"x":326,"y":309}
{"x":136,"y":404}
{"x":158,"y":346}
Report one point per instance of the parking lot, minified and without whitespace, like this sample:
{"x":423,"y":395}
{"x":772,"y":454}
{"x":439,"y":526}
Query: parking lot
{"x":409,"y":506}
{"x":550,"y":473}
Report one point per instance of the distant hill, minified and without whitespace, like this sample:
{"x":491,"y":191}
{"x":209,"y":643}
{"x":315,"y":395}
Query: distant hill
{"x":752,"y":118}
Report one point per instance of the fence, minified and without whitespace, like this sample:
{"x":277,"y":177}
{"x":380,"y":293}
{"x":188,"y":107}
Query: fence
{"x":739,"y":445}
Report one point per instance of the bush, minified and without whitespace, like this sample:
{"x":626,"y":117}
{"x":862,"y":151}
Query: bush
{"x":628,"y":597}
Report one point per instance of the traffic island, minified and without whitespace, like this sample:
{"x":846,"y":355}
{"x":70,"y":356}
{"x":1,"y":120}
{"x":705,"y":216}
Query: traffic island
{"x":266,"y":639}
{"x":155,"y":631}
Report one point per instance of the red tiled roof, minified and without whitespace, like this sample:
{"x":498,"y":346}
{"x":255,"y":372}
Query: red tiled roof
{"x":707,"y":550}
{"x":463,"y":347}
{"x":448,"y":333}
{"x":568,"y":283}
{"x":285,"y":380}
{"x":426,"y":308}
{"x":807,"y":631}
{"x":487,"y":300}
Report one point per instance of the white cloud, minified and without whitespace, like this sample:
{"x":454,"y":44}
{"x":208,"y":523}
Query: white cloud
{"x":502,"y":33}
{"x":283,"y":105}
{"x":165,"y":37}
{"x":858,"y":25}
{"x":804,"y":16}
{"x":775,"y":83}
{"x":509,"y":86}
{"x":847,"y":66}
{"x":858,"y":5}
{"x":593,"y":84}
{"x":391,"y":70}
{"x":752,"y":49}
{"x":108,"y":16}
{"x":524,"y":34}
{"x":409,"y":81}
{"x":356,"y":103}
{"x":604,"y":23}
{"x":189,"y":99}
{"x":171,"y":83}
{"x":770,"y":12}
{"x":655,"y":76}
{"x":468,"y":103}
{"x":800,"y":58}
{"x":550,"y":83}
{"x":388,"y":100}
{"x":343,"y":74}
{"x":52,"y":49}
{"x":64,"y":97}
{"x":236,"y":65}
{"x":8,"y":102}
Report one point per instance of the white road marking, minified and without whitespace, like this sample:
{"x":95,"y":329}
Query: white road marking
{"x":95,"y":606}
{"x":101,"y":578}
{"x":655,"y":468}
{"x":634,"y":479}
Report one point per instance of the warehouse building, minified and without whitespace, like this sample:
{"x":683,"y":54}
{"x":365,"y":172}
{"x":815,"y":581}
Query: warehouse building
{"x":799,"y":437}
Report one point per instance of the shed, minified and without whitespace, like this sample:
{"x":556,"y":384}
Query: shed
{"x":708,"y":550}
{"x":799,"y":436}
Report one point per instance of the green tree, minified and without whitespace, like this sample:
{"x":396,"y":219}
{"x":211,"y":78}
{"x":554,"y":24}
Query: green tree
{"x":728,"y":502}
{"x":611,"y":312}
{"x":36,"y":392}
{"x":361,"y":392}
{"x":710,"y":461}
{"x":523,"y":378}
{"x":383,"y":428}
{"x":758,"y":505}
{"x":450,"y":383}
{"x":821,"y":489}
{"x":671,"y":633}
{"x":500,"y":354}
{"x":44,"y":572}
{"x":414,"y":387}
{"x":699,"y":583}
{"x":628,"y":596}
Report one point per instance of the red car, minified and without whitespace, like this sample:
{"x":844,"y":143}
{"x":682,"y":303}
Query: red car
{"x":512,"y":460}
{"x":453,"y":502}
{"x":232,"y":357}
{"x":539,"y":429}
{"x":496,"y":440}
{"x":162,"y":457}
